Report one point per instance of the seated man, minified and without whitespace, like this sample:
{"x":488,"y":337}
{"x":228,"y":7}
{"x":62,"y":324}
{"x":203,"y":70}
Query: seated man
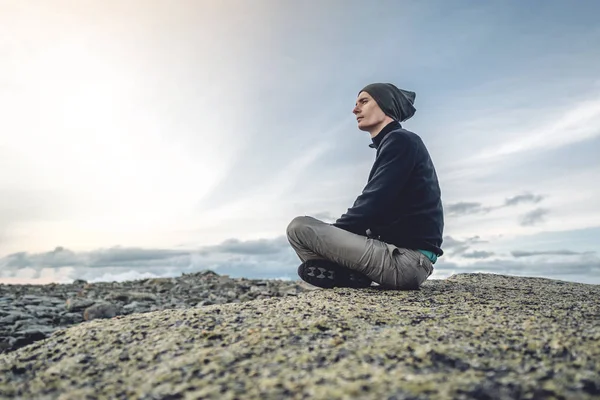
{"x":392,"y":235}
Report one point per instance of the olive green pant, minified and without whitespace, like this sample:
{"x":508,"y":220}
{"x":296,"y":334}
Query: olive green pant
{"x":388,"y":265}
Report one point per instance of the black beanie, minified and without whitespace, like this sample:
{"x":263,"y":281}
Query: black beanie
{"x":395,"y":103}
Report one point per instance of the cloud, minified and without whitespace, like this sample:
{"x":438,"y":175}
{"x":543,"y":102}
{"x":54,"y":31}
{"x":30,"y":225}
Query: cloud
{"x":534,"y":217}
{"x":263,"y":258}
{"x":274,"y":182}
{"x":119,"y":255}
{"x":580,"y":119}
{"x":325,"y":216}
{"x":249,"y":247}
{"x":519,"y":253}
{"x":455,"y":247}
{"x":478,"y":254}
{"x":465,"y":208}
{"x":586,"y":269}
{"x":271,"y":258}
{"x":523,"y":198}
{"x":61,"y":257}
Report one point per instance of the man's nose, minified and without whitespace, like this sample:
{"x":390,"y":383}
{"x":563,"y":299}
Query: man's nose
{"x":355,"y":110}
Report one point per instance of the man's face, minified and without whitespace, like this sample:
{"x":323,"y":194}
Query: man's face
{"x":367,"y":111}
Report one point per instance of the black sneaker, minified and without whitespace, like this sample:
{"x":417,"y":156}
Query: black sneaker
{"x":327,"y":274}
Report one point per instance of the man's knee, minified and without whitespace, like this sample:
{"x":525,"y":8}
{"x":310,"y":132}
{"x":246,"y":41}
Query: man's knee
{"x":297,"y":225}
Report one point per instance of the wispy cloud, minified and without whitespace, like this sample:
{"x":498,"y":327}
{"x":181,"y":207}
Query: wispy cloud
{"x":266,"y":258}
{"x":456,"y":247}
{"x":521,"y":253}
{"x":272,"y":258}
{"x":477,"y":211}
{"x":478,"y":254}
{"x":523,"y":198}
{"x":248,"y":247}
{"x":465,"y":208}
{"x":534,"y":217}
{"x":62,"y":257}
{"x":578,"y":122}
{"x":583,"y":270}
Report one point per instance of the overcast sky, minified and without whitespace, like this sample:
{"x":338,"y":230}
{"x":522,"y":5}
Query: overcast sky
{"x":151,"y":138}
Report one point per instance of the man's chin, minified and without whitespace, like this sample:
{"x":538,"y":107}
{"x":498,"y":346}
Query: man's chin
{"x":363,"y":128}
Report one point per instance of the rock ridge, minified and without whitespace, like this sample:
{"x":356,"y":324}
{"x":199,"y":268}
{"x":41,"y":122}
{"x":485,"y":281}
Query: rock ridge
{"x":468,"y":336}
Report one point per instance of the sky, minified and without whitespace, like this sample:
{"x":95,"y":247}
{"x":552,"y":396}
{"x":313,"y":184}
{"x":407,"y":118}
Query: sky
{"x":153,"y":138}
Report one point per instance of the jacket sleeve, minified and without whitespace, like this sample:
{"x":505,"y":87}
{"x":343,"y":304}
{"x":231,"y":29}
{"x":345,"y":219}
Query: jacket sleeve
{"x":393,"y":167}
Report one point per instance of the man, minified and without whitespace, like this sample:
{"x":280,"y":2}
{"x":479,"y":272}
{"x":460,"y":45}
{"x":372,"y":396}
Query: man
{"x":392,"y":235}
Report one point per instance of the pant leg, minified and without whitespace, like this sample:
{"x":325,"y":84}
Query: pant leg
{"x":386,"y":264}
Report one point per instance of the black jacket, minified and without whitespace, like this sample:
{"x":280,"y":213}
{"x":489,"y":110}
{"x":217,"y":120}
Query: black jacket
{"x":401,"y":202}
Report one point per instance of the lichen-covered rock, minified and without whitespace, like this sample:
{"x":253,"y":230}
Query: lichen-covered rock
{"x":469,"y":336}
{"x":100,"y":310}
{"x":75,"y":304}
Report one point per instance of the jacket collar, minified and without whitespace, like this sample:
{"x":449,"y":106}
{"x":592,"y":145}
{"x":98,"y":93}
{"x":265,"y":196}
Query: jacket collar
{"x":387,"y":129}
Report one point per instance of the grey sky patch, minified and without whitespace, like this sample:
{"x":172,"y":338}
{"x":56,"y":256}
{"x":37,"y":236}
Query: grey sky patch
{"x":519,"y":253}
{"x":15,"y":261}
{"x":478,"y":254}
{"x":120,"y":255}
{"x":523,"y":198}
{"x":274,"y":259}
{"x":263,"y":258}
{"x":584,"y":270}
{"x":468,"y":208}
{"x":465,"y":208}
{"x":139,"y":258}
{"x":534,"y":217}
{"x":255,"y":247}
{"x":455,"y":247}
{"x":61,"y":257}
{"x":283,"y":264}
{"x":57,"y":258}
{"x":178,"y":261}
{"x":325,"y":216}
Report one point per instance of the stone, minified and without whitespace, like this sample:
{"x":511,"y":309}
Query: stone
{"x":34,"y":300}
{"x":25,"y":324}
{"x":100,"y":310}
{"x":31,"y":329}
{"x":142,"y":296}
{"x":15,"y":316}
{"x":74,"y":304}
{"x":67,"y":319}
{"x":40,"y":311}
{"x":132,"y":306}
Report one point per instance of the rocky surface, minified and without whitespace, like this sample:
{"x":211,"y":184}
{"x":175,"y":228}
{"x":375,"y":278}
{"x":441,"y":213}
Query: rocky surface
{"x":469,"y":336}
{"x":29,"y":313}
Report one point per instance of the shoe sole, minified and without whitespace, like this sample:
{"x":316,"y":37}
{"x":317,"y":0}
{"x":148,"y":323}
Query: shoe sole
{"x":330,"y":276}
